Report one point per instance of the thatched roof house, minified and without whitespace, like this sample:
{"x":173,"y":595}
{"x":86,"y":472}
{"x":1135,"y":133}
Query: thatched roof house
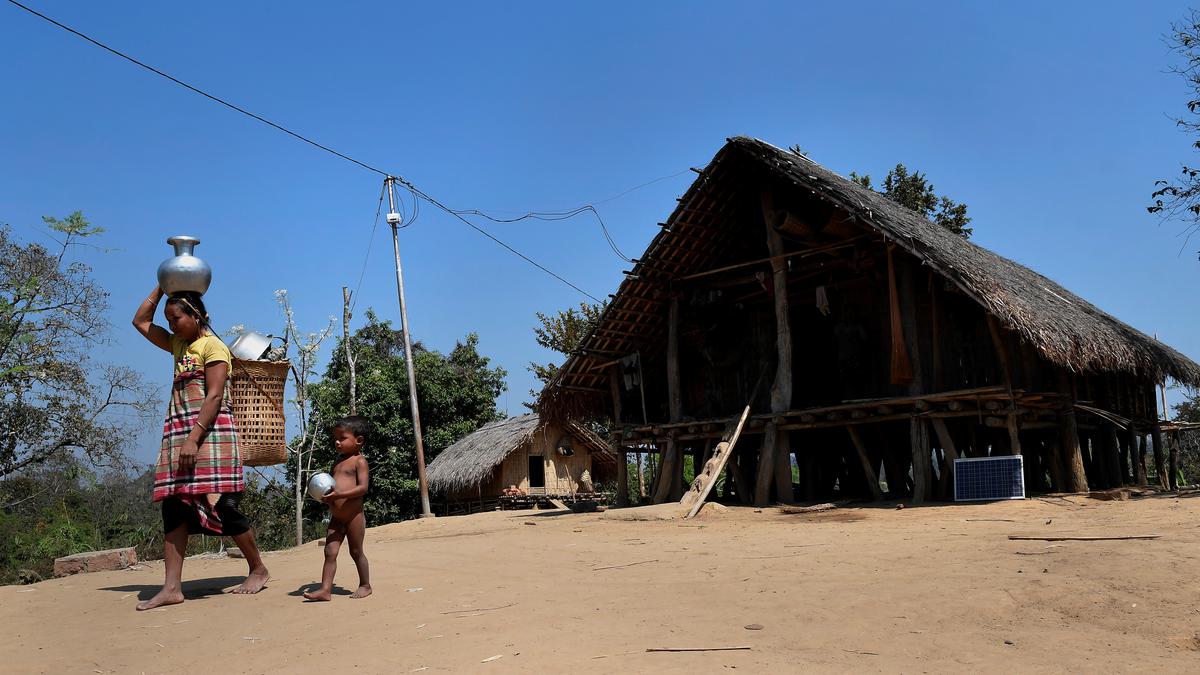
{"x":775,"y":270}
{"x":542,"y":458}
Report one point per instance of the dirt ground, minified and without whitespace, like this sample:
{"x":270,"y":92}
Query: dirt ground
{"x":856,"y":589}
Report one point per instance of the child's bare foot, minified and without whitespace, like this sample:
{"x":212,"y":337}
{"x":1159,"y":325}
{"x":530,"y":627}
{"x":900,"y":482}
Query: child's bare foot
{"x":161,"y":599}
{"x":255,"y":581}
{"x":362,"y":592}
{"x":322,"y":594}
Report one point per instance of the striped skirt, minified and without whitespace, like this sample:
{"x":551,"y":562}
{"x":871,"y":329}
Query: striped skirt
{"x":218,"y":468}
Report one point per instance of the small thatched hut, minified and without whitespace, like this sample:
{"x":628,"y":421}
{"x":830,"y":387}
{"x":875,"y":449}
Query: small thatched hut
{"x":554,"y":460}
{"x":865,"y":338}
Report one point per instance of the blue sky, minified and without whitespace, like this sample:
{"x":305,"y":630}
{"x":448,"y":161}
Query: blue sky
{"x":1051,"y":120}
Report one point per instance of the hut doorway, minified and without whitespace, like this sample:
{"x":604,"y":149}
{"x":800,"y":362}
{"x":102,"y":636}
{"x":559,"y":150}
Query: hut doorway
{"x":537,"y":471}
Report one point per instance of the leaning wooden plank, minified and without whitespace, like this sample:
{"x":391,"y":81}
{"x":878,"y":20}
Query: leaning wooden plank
{"x":1082,"y":538}
{"x":717,"y":465}
{"x":868,"y":471}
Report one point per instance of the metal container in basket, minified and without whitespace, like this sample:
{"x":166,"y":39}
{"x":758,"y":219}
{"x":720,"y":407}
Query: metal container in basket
{"x":257,"y":389}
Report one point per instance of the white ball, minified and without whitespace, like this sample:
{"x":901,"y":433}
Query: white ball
{"x":320,"y":485}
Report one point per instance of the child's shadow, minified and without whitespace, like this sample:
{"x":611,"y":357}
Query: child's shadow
{"x":299,"y":592}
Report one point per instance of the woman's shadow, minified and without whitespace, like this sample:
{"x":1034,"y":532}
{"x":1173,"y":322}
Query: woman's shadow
{"x":193,"y":589}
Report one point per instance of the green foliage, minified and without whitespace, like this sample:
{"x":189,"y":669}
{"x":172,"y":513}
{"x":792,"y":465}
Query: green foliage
{"x":1189,"y":441}
{"x":1178,"y":199}
{"x":61,"y":508}
{"x":914,"y":191}
{"x":456,"y":393}
{"x":562,"y":332}
{"x":54,"y":399}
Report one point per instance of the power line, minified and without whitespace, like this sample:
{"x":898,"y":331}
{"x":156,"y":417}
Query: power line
{"x":299,"y":137}
{"x":412,"y":188}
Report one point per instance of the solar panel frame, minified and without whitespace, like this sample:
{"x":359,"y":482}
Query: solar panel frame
{"x":987,"y":479}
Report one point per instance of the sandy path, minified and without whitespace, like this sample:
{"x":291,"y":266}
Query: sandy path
{"x":857,"y":589}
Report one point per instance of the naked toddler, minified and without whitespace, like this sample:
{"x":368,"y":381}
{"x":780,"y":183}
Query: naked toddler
{"x":346,"y":520}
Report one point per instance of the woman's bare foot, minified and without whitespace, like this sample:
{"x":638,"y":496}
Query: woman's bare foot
{"x":161,"y":599}
{"x":362,"y":592}
{"x":254,"y":582}
{"x":320,"y":594}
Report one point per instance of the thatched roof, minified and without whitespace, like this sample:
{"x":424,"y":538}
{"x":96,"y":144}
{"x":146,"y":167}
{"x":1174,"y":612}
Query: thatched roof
{"x":470,"y":460}
{"x":1068,"y":330}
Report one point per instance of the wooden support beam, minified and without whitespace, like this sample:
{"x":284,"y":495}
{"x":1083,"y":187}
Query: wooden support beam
{"x":1069,"y":451}
{"x":670,"y":482}
{"x":1160,"y":468}
{"x":919,"y":441}
{"x":1137,"y":450}
{"x":622,"y":458}
{"x":1112,"y":455}
{"x":865,"y":462}
{"x":1001,"y":351}
{"x":901,"y":364}
{"x":1173,"y":460}
{"x":1014,"y":437}
{"x":947,"y":442}
{"x":769,"y":468}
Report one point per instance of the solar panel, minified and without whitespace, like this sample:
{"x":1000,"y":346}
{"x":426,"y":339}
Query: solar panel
{"x":978,"y":479}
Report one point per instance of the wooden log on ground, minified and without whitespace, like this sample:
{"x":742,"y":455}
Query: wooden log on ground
{"x":868,"y":472}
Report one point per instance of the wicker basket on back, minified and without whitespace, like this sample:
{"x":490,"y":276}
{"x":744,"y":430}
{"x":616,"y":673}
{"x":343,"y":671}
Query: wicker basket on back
{"x":257,"y":391}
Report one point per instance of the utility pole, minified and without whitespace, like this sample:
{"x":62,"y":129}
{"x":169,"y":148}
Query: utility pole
{"x":393,"y":219}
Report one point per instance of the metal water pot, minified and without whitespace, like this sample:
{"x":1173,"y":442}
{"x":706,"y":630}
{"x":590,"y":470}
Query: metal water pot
{"x":251,"y":346}
{"x":184,"y":271}
{"x":320,"y":485}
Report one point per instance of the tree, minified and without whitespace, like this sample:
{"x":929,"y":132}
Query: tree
{"x":55,"y":399}
{"x":1179,"y":198}
{"x":457,"y":395}
{"x":914,"y":191}
{"x":562,"y":333}
{"x":1189,"y":441}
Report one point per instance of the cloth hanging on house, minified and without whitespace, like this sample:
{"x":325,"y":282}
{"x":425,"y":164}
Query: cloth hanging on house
{"x":822,"y":301}
{"x":629,"y":371}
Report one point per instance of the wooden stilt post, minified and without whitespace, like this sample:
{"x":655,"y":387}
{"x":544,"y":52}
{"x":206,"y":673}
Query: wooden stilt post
{"x":919,"y":439}
{"x":1069,"y":451}
{"x":1113,"y":456}
{"x":670,"y":485}
{"x":622,"y":459}
{"x":868,"y":472}
{"x":1138,"y":447}
{"x":771,"y":472}
{"x":1173,"y":461}
{"x":1124,"y":456}
{"x":1160,"y":468}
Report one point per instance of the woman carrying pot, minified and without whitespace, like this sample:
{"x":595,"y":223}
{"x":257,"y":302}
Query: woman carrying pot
{"x":198,"y":477}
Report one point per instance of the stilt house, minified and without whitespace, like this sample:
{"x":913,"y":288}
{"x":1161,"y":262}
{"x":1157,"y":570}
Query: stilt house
{"x":552,"y":460}
{"x":866,"y":340}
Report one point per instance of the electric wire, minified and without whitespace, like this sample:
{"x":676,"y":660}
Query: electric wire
{"x":412,"y":188}
{"x":370,"y":242}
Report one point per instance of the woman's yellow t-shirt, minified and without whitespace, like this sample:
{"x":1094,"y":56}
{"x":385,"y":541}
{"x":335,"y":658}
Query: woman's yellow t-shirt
{"x":197,"y":354}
